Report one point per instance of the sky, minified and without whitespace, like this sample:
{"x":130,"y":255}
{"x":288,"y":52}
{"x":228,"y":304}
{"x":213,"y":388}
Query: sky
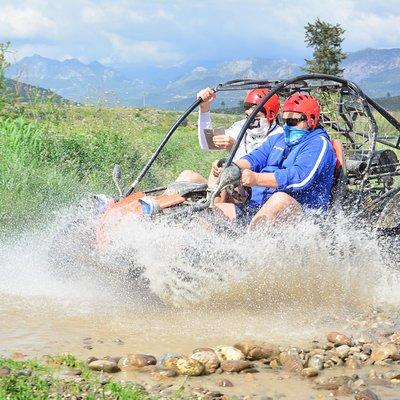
{"x":173,"y":32}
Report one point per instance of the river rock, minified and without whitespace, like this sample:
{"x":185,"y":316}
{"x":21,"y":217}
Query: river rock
{"x":168,"y":356}
{"x":343,"y":350}
{"x":309,"y":372}
{"x":334,"y":382}
{"x":381,"y":352}
{"x":339,"y":338}
{"x":224,"y":383}
{"x":316,"y":361}
{"x":189,"y":366}
{"x":395,"y":338}
{"x":353,"y":363}
{"x":208,"y":358}
{"x":392,"y":374}
{"x":140,"y":360}
{"x":291,"y":362}
{"x":235,"y":365}
{"x":256,"y":351}
{"x":229,"y":353}
{"x":104,"y":365}
{"x":366,"y":394}
{"x":5,"y":371}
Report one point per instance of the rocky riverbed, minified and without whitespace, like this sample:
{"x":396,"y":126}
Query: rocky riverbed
{"x":361,"y":362}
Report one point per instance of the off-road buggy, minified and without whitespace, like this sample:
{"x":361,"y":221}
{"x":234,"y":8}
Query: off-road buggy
{"x":366,"y":139}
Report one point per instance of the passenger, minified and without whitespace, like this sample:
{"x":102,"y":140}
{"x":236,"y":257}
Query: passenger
{"x":290,"y":172}
{"x":263,"y":126}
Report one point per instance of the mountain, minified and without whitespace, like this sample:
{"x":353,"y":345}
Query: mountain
{"x":85,"y":83}
{"x":376,"y":71}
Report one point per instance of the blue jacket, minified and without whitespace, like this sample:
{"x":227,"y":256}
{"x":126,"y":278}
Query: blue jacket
{"x":304,"y":171}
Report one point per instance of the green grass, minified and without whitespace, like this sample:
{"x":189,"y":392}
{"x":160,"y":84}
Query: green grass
{"x":40,"y":383}
{"x":52,"y":156}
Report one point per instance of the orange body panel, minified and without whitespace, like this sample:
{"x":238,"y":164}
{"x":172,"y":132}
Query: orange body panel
{"x":129,"y":207}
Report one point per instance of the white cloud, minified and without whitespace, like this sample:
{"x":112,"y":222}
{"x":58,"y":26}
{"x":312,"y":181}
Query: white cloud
{"x":136,"y":51}
{"x":25,"y":23}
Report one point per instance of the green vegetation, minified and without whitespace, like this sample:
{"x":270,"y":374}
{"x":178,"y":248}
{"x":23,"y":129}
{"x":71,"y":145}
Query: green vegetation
{"x":32,"y":380}
{"x":55,"y":154}
{"x":326,"y":40}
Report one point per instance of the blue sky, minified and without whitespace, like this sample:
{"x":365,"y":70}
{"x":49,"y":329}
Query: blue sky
{"x":168,"y":33}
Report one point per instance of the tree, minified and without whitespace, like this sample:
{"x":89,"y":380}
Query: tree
{"x":326,"y":39}
{"x":3,"y":62}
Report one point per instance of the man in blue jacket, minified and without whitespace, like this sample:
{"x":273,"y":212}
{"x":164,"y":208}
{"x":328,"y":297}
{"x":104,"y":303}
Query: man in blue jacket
{"x":290,"y":172}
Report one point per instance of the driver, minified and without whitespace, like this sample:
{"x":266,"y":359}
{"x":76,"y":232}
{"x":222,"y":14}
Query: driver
{"x":263,"y":126}
{"x":290,"y":172}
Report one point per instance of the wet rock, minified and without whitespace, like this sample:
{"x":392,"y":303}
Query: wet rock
{"x":343,"y":350}
{"x":168,"y":356}
{"x":316,"y":361}
{"x":189,"y":366}
{"x":353,"y":363}
{"x":339,"y":338}
{"x":274,"y":364}
{"x":208,"y":358}
{"x":333,"y":383}
{"x":112,"y":358}
{"x":235,"y":365}
{"x":358,"y":384}
{"x":4,"y":371}
{"x":290,"y":362}
{"x":224,"y":383}
{"x":140,"y":360}
{"x":364,"y":338}
{"x":104,"y":365}
{"x":90,"y":359}
{"x":256,"y":351}
{"x":309,"y":372}
{"x":366,"y":394}
{"x":229,"y":353}
{"x":381,"y":352}
{"x":395,"y":338}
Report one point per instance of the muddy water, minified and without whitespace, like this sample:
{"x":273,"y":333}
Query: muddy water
{"x":203,"y":289}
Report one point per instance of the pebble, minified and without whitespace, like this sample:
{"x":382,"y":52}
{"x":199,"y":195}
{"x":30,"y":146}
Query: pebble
{"x":139,"y":360}
{"x":229,"y":353}
{"x":339,"y":338}
{"x":162,"y":373}
{"x":392,"y":374}
{"x":317,"y":362}
{"x":189,"y":366}
{"x":90,"y":359}
{"x":167,"y":356}
{"x":112,"y":358}
{"x":5,"y":371}
{"x":224,"y":383}
{"x":395,"y":338}
{"x":208,"y":358}
{"x":235,"y":365}
{"x":343,"y":350}
{"x":353,"y":363}
{"x":309,"y":372}
{"x":23,"y":372}
{"x":274,"y":364}
{"x":366,"y":394}
{"x":381,"y":352}
{"x":290,"y":362}
{"x":256,"y":351}
{"x":104,"y":365}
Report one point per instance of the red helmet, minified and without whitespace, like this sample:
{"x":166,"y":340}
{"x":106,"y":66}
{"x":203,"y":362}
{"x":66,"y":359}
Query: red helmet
{"x":270,"y":108}
{"x":305,"y":104}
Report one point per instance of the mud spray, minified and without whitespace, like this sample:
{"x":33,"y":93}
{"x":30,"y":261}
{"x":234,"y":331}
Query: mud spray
{"x":173,"y":286}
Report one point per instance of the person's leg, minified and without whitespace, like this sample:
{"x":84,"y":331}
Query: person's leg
{"x":279,"y":206}
{"x":226,"y":210}
{"x":190,"y":176}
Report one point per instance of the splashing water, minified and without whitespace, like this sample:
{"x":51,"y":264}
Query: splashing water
{"x":296,"y":277}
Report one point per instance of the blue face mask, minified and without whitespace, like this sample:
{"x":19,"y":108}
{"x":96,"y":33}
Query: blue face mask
{"x":294,"y":135}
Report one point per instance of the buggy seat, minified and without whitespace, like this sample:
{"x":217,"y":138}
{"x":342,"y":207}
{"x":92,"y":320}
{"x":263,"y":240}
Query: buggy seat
{"x":340,"y":176}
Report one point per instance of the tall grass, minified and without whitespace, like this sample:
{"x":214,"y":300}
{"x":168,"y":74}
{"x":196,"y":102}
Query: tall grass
{"x":52,"y":156}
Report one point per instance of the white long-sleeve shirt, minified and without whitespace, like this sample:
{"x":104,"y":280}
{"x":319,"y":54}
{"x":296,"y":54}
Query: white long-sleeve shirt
{"x":252,"y":139}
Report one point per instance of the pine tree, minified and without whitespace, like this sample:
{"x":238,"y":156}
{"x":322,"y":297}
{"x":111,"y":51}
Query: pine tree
{"x":326,"y":39}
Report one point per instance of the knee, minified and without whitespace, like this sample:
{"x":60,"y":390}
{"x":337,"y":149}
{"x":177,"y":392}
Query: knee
{"x":282,"y":197}
{"x":186,"y":175}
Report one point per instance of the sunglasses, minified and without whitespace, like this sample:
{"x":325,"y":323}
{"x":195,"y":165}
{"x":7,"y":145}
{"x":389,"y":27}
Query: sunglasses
{"x":294,"y":121}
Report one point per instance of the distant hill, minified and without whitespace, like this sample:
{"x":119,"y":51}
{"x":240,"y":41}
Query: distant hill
{"x":377,"y":71}
{"x":27,"y":93}
{"x":391,"y":103}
